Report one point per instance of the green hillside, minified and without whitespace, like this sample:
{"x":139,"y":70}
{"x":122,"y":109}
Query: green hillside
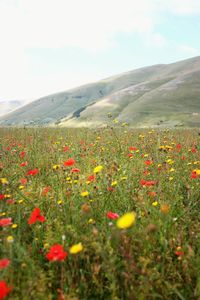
{"x":160,"y":95}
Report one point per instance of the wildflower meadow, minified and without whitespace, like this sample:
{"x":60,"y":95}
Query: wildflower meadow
{"x":111,"y":213}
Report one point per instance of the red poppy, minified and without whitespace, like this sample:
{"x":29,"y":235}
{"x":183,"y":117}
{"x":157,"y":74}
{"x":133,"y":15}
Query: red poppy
{"x":5,"y":222}
{"x":148,"y":182}
{"x":148,"y":162}
{"x":23,"y":164}
{"x":22,"y":154}
{"x":194,"y":150}
{"x":33,"y":172}
{"x":194,"y":175}
{"x":66,"y":148}
{"x":69,"y":162}
{"x":132,"y":148}
{"x":91,"y":178}
{"x":36,"y":216}
{"x":179,"y":253}
{"x":45,"y":190}
{"x":75,"y":170}
{"x":112,"y":215}
{"x":178,"y":146}
{"x":4,"y":290}
{"x":4,"y":262}
{"x":10,"y":201}
{"x":56,"y":253}
{"x":23,"y":180}
{"x":2,"y":196}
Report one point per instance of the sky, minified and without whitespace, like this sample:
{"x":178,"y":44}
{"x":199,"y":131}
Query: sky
{"x":48,"y":46}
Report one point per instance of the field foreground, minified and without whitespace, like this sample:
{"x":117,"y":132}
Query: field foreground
{"x":99,"y":214}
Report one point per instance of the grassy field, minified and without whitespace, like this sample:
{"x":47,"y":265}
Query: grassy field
{"x":99,"y":214}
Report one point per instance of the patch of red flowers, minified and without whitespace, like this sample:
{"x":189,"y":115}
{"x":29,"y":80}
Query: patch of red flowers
{"x":36,"y":216}
{"x":4,"y":290}
{"x":4,"y":262}
{"x":148,"y":182}
{"x":33,"y":172}
{"x":56,"y":253}
{"x":2,"y":196}
{"x":70,"y":162}
{"x":5,"y":222}
{"x":132,"y":148}
{"x":148,"y":162}
{"x":111,"y":215}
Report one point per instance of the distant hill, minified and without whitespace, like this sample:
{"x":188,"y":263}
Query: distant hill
{"x":159,"y":95}
{"x":8,"y":106}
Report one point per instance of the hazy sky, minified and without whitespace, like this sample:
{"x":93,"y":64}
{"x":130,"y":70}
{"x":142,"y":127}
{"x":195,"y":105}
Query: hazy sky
{"x":48,"y":46}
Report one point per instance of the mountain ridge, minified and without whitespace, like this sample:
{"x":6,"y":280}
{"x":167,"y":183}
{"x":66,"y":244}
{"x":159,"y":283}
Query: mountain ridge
{"x":158,"y":95}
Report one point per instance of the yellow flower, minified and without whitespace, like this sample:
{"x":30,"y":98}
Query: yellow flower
{"x":4,"y":180}
{"x":98,"y":169}
{"x":197,"y":171}
{"x":170,"y":161}
{"x":21,"y":187}
{"x":91,"y":221}
{"x":76,"y":248}
{"x":59,"y":202}
{"x":20,"y":201}
{"x":10,"y":239}
{"x":55,"y":167}
{"x":46,"y":246}
{"x":124,"y":178}
{"x":155,"y":203}
{"x":127,"y":220}
{"x":114,"y":183}
{"x":14,"y":226}
{"x":84,"y":194}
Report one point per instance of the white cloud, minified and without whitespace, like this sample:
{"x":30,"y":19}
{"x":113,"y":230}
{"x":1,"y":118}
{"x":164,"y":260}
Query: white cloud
{"x":91,"y":24}
{"x":88,"y":24}
{"x":183,"y":7}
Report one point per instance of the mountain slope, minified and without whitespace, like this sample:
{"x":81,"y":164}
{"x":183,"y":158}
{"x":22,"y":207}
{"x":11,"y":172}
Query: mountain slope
{"x":160,"y":95}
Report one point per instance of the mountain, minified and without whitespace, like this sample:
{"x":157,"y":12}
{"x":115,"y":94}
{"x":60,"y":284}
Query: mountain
{"x":7,"y":106}
{"x":159,"y":95}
